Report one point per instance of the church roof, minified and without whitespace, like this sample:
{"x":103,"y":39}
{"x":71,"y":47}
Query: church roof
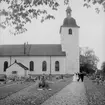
{"x":69,"y":22}
{"x":20,"y":64}
{"x":32,"y":50}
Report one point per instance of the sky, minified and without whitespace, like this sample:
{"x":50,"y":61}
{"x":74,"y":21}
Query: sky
{"x":91,"y":32}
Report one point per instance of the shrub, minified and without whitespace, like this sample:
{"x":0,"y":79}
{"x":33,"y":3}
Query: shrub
{"x":93,"y":77}
{"x":67,"y":75}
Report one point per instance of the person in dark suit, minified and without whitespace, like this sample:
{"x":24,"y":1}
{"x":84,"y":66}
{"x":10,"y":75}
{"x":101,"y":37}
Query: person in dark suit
{"x":81,"y":76}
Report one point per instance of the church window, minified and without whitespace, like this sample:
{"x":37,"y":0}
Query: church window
{"x":57,"y":66}
{"x":14,"y":72}
{"x":5,"y":66}
{"x":70,"y":31}
{"x":31,"y":66}
{"x":44,"y":66}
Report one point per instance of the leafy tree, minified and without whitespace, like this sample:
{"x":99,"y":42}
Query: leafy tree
{"x":17,"y":13}
{"x":103,"y":67}
{"x":88,"y":60}
{"x":90,"y":3}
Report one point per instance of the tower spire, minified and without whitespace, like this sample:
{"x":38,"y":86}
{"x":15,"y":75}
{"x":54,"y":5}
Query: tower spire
{"x":68,"y":10}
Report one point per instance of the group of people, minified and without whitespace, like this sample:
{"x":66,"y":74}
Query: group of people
{"x":78,"y":76}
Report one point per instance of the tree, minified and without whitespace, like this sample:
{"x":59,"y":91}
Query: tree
{"x":103,"y":67}
{"x":88,"y":60}
{"x":17,"y":13}
{"x":90,"y":3}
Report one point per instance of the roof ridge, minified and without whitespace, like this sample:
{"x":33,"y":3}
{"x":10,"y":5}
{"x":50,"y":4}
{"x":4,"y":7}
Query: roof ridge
{"x":27,"y":44}
{"x":22,"y":65}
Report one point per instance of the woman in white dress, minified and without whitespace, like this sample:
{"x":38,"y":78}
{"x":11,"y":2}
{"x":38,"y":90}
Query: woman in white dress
{"x":75,"y":77}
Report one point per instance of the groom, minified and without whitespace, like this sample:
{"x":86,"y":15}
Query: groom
{"x":81,"y":76}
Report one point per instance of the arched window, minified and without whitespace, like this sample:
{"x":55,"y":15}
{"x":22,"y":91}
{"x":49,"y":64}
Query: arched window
{"x":44,"y":66}
{"x":5,"y":66}
{"x":70,"y":31}
{"x":57,"y":66}
{"x":31,"y":66}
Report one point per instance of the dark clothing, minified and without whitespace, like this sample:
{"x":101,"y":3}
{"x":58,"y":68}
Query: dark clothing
{"x":81,"y":76}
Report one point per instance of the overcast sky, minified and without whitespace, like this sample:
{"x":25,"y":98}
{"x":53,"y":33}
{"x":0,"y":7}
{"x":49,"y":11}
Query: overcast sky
{"x":91,"y":33}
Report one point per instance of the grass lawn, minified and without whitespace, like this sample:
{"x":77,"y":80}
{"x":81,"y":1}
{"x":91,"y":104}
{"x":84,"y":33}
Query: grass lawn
{"x":8,"y":83}
{"x":95,"y":92}
{"x":36,"y":97}
{"x":9,"y":89}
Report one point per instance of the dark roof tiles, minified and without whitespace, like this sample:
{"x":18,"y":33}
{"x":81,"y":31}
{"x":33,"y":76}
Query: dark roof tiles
{"x":69,"y":22}
{"x":20,"y":64}
{"x":32,"y":50}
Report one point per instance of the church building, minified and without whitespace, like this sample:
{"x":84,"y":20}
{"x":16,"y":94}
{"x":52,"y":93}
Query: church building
{"x":34,"y":59}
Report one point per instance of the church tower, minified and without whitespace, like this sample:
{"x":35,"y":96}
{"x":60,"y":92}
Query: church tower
{"x":70,"y":42}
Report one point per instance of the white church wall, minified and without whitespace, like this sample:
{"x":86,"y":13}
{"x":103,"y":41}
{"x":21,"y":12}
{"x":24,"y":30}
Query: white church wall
{"x":61,"y":65}
{"x":37,"y":63}
{"x":70,"y":44}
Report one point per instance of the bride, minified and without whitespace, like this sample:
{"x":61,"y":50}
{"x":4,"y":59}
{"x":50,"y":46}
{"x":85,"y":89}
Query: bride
{"x":75,"y":77}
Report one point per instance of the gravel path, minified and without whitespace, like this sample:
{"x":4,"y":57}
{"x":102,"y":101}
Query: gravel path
{"x":73,"y":94}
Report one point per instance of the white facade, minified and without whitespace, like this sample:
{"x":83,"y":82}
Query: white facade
{"x":70,"y":44}
{"x":37,"y":63}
